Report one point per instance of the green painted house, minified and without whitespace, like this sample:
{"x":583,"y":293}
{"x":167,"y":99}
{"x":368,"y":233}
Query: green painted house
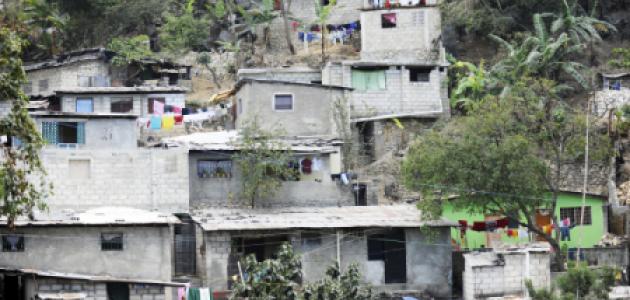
{"x":569,"y":205}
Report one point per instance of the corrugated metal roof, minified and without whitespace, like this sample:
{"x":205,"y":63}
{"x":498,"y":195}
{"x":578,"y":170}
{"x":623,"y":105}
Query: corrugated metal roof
{"x":227,"y":141}
{"x":314,"y":217}
{"x":98,"y":216}
{"x":97,"y":278}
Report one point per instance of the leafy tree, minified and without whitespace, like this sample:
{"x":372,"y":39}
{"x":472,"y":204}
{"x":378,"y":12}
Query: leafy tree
{"x":130,"y":50}
{"x":263,"y":162}
{"x":472,"y":84}
{"x":504,"y":157}
{"x":20,"y":164}
{"x":335,"y":285}
{"x":262,"y":14}
{"x":205,"y":60}
{"x":621,"y":58}
{"x":272,"y":278}
{"x":579,"y":282}
{"x":580,"y":27}
{"x":184,"y":32}
{"x":323,"y":13}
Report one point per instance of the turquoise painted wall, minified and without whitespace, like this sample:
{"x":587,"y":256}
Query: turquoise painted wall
{"x":589,"y":234}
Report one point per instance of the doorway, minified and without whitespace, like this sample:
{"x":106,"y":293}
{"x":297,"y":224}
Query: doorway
{"x":390,"y":247}
{"x":13,"y":287}
{"x":117,"y":291}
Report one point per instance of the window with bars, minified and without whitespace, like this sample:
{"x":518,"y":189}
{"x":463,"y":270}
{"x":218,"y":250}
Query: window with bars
{"x":55,"y":133}
{"x":112,"y":241}
{"x":122,"y":105}
{"x":13,"y":243}
{"x":575,"y":213}
{"x":214,"y":169}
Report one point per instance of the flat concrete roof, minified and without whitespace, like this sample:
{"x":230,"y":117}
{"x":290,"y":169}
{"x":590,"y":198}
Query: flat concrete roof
{"x":108,"y":215}
{"x":123,"y":90}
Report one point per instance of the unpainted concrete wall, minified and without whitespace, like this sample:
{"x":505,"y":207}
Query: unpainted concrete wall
{"x":416,"y":36}
{"x":400,"y":95}
{"x":312,"y":112}
{"x":102,"y":133}
{"x":66,"y":76}
{"x":93,"y":290}
{"x":139,"y":178}
{"x":490,"y":275}
{"x":102,"y":102}
{"x":224,"y":192}
{"x":285,"y":75}
{"x":146,"y":251}
{"x":428,"y":259}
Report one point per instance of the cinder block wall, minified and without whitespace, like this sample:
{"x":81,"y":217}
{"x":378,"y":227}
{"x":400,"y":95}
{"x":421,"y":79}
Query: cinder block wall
{"x":493,"y":274}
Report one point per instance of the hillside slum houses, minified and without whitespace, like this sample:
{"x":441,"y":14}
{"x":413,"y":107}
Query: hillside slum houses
{"x":154,"y":216}
{"x":144,"y":206}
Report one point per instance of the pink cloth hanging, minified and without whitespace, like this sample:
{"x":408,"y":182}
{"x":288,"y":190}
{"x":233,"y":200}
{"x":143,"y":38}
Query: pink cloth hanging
{"x":177,"y":110}
{"x":181,"y":293}
{"x":158,"y":108}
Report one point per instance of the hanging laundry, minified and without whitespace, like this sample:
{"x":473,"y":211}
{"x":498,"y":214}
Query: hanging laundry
{"x":156,"y":122}
{"x":502,"y":223}
{"x":306,"y":166}
{"x":565,"y":233}
{"x":344,"y":178}
{"x":479,"y":226}
{"x":522,"y":233}
{"x":193,"y":294}
{"x":158,"y":108}
{"x":179,"y":119}
{"x":463,"y":226}
{"x":168,"y":121}
{"x":295,"y":25}
{"x":491,"y":226}
{"x":205,"y":294}
{"x":168,"y":108}
{"x":185,"y":111}
{"x":177,"y":110}
{"x":181,"y":293}
{"x":318,"y":164}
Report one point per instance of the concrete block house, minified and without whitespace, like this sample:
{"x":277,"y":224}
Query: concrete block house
{"x":103,"y":253}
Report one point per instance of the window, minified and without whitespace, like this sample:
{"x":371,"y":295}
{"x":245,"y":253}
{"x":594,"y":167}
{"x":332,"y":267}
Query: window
{"x":122,"y":105}
{"x":54,"y":104}
{"x":214,"y":168}
{"x":311,"y":240}
{"x":27,"y":87}
{"x":112,"y":241}
{"x":79,"y":169}
{"x":13,"y":243}
{"x":614,"y":85}
{"x":368,"y":79}
{"x":283,"y":102}
{"x":85,"y":105}
{"x":63,"y":132}
{"x":388,"y":20}
{"x":574,"y":214}
{"x":153,"y":100}
{"x":419,"y":74}
{"x":360,"y":194}
{"x":43,"y":85}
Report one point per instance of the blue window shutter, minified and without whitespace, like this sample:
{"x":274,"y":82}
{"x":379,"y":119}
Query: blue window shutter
{"x":50,"y":132}
{"x":81,"y":133}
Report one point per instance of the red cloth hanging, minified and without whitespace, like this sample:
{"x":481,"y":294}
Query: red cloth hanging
{"x":501,"y":223}
{"x":179,"y":119}
{"x":479,"y":226}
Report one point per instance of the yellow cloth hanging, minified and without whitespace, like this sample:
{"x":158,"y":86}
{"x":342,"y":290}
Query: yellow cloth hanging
{"x":168,"y":121}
